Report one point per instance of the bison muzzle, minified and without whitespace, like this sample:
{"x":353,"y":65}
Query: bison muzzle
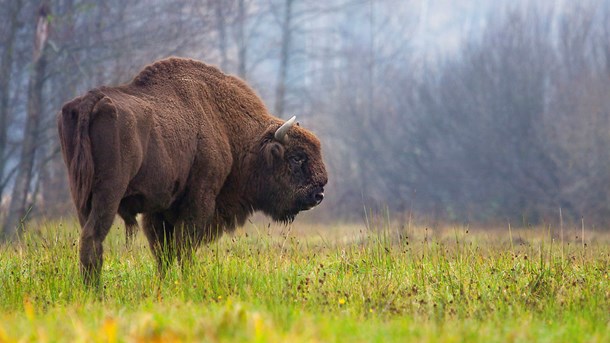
{"x":192,"y":149}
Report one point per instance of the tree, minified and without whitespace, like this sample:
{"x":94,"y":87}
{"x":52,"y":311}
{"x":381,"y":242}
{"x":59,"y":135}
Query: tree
{"x":6,"y":66}
{"x":242,"y":46}
{"x":18,"y":206}
{"x":286,"y":29}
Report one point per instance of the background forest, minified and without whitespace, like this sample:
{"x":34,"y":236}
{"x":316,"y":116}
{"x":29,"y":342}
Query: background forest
{"x":468,"y":112}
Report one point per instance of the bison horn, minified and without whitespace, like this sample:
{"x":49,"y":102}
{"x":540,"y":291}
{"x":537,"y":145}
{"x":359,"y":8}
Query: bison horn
{"x":280,"y":134}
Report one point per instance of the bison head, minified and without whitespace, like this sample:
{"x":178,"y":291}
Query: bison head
{"x":293,"y":175}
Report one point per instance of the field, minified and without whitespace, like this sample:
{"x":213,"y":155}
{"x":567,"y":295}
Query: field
{"x":320,"y":283}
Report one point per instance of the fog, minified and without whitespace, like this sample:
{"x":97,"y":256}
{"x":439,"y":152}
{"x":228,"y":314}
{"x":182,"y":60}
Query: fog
{"x":448,"y":111}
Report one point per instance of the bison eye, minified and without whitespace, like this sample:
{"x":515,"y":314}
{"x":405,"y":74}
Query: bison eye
{"x":297,"y":159}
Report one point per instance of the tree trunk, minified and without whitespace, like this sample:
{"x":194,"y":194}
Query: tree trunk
{"x":280,"y":91}
{"x":241,"y":39}
{"x":18,"y":207}
{"x":222,"y":34}
{"x":52,"y":192}
{"x":5,"y":82}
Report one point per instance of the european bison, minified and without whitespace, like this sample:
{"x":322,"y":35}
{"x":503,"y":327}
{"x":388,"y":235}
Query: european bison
{"x":193,"y":149}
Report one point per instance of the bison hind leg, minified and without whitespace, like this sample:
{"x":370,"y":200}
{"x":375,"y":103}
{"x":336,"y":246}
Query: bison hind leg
{"x":94,"y":232}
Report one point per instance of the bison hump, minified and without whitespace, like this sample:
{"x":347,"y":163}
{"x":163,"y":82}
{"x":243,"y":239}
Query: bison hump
{"x":173,"y":68}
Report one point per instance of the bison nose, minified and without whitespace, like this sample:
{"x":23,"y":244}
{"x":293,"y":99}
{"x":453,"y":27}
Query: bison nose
{"x":318,"y":195}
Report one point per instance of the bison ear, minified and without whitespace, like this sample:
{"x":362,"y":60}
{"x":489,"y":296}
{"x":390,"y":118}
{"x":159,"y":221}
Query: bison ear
{"x":272,"y":151}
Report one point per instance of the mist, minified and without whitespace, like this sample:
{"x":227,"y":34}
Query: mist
{"x":460,"y":112}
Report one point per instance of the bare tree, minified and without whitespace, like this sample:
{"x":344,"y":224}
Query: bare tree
{"x":220,"y":9}
{"x":242,"y":46}
{"x":6,"y":65}
{"x":18,"y":206}
{"x":286,"y":29}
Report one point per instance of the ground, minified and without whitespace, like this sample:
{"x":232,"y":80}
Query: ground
{"x":359,"y":282}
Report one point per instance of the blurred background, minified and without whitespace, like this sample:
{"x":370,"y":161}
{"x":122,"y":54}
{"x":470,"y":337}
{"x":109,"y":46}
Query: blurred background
{"x":465,"y":111}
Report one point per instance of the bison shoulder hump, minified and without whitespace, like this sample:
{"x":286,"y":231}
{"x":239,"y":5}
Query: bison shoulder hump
{"x":170,"y":68}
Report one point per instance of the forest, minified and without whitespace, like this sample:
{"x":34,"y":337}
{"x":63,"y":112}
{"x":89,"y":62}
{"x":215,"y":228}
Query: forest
{"x":509,"y":122}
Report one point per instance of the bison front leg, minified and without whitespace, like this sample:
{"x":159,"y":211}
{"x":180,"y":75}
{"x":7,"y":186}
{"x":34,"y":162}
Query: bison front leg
{"x":193,"y":227}
{"x":188,"y":238}
{"x":160,"y":235}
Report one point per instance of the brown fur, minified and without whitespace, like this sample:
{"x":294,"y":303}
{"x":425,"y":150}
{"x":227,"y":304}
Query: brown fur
{"x":192,"y":149}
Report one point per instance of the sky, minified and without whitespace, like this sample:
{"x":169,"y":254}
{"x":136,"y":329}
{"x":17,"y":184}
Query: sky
{"x":442,"y":24}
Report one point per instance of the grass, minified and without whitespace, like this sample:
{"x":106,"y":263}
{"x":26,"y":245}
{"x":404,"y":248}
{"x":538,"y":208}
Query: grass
{"x":315,"y":283}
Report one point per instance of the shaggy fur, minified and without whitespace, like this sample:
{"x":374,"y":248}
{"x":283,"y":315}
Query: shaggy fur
{"x":192,"y":149}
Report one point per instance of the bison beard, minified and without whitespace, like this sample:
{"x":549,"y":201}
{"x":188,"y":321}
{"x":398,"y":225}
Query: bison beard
{"x":192,"y":149}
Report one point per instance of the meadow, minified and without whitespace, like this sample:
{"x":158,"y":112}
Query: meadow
{"x":379,"y":282}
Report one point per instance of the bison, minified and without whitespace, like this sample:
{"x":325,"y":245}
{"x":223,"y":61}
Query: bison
{"x":192,"y":149}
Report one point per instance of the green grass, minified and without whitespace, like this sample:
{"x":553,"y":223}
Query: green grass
{"x":315,"y":283}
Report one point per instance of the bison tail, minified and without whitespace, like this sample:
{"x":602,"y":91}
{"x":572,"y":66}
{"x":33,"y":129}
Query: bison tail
{"x":76,"y":146}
